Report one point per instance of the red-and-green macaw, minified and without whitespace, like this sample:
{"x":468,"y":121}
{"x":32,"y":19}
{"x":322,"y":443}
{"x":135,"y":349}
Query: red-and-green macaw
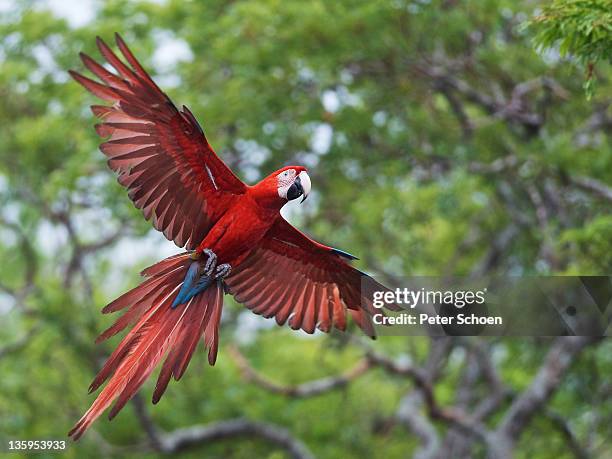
{"x":235,"y":239}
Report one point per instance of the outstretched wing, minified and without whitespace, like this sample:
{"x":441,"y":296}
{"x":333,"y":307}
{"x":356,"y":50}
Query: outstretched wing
{"x":292,"y":277}
{"x":160,"y":153}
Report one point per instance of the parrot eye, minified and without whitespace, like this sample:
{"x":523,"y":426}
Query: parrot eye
{"x":285,"y":180}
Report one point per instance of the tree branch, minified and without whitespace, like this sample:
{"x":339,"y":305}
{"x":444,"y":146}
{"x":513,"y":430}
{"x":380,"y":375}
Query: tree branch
{"x":594,"y":186}
{"x":181,"y":439}
{"x":409,"y":413}
{"x":495,"y":167}
{"x":564,"y":428}
{"x":560,"y":357}
{"x":456,"y":417}
{"x":147,"y":422}
{"x":308,"y":389}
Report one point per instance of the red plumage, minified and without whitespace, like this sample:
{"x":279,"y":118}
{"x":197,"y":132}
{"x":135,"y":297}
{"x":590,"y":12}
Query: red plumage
{"x":159,"y":330}
{"x":173,"y":175}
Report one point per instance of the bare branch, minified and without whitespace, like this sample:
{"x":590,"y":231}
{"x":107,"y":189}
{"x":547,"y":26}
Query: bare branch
{"x":560,"y":357}
{"x":467,"y":127}
{"x":513,"y":110}
{"x":547,"y":251}
{"x":147,"y":422}
{"x":308,"y":389}
{"x":453,"y":416}
{"x":495,"y":167}
{"x":600,"y":120}
{"x":180,"y":439}
{"x":409,"y":414}
{"x":187,"y":437}
{"x":594,"y":186}
{"x":105,"y":242}
{"x":29,"y":258}
{"x":478,"y":366}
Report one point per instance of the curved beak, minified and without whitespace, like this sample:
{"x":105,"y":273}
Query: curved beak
{"x":304,"y":179}
{"x":300,"y":187}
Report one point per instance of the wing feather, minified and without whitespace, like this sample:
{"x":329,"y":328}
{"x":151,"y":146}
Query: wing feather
{"x":294,"y":279}
{"x":160,"y":153}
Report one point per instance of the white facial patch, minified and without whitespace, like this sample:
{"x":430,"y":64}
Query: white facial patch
{"x":285,"y":180}
{"x":305,"y":181}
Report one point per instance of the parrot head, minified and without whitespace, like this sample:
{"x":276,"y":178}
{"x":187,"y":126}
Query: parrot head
{"x":284,"y":185}
{"x":293,"y":182}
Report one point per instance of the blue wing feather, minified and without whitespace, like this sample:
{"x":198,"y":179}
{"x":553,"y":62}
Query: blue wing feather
{"x":344,"y":254}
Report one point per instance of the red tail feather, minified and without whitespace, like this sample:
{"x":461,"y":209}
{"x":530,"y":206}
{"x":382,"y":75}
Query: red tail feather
{"x":159,"y":330}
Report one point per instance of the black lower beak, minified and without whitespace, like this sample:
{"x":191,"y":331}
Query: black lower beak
{"x":295,"y":190}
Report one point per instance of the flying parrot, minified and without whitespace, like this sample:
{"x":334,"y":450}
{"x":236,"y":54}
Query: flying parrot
{"x":235,"y":240}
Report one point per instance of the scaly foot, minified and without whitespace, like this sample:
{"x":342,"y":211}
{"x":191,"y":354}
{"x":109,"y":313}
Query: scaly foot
{"x":200,"y":275}
{"x":211,"y":262}
{"x":223,"y":271}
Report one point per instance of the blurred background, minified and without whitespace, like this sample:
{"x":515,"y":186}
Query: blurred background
{"x":440,"y":141}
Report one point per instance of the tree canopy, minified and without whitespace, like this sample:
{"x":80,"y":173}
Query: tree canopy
{"x":578,"y":28}
{"x":440,"y":142}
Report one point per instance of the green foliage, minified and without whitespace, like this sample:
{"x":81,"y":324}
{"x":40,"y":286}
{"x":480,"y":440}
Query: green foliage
{"x":579,"y":28}
{"x":590,"y":245}
{"x":452,"y":148}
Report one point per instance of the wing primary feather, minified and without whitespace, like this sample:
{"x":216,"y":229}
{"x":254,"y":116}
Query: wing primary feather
{"x":142,"y":115}
{"x":106,"y":76}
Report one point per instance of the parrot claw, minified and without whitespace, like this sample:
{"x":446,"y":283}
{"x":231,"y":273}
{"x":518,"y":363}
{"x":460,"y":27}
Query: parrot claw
{"x":223,"y":271}
{"x":211,"y":263}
